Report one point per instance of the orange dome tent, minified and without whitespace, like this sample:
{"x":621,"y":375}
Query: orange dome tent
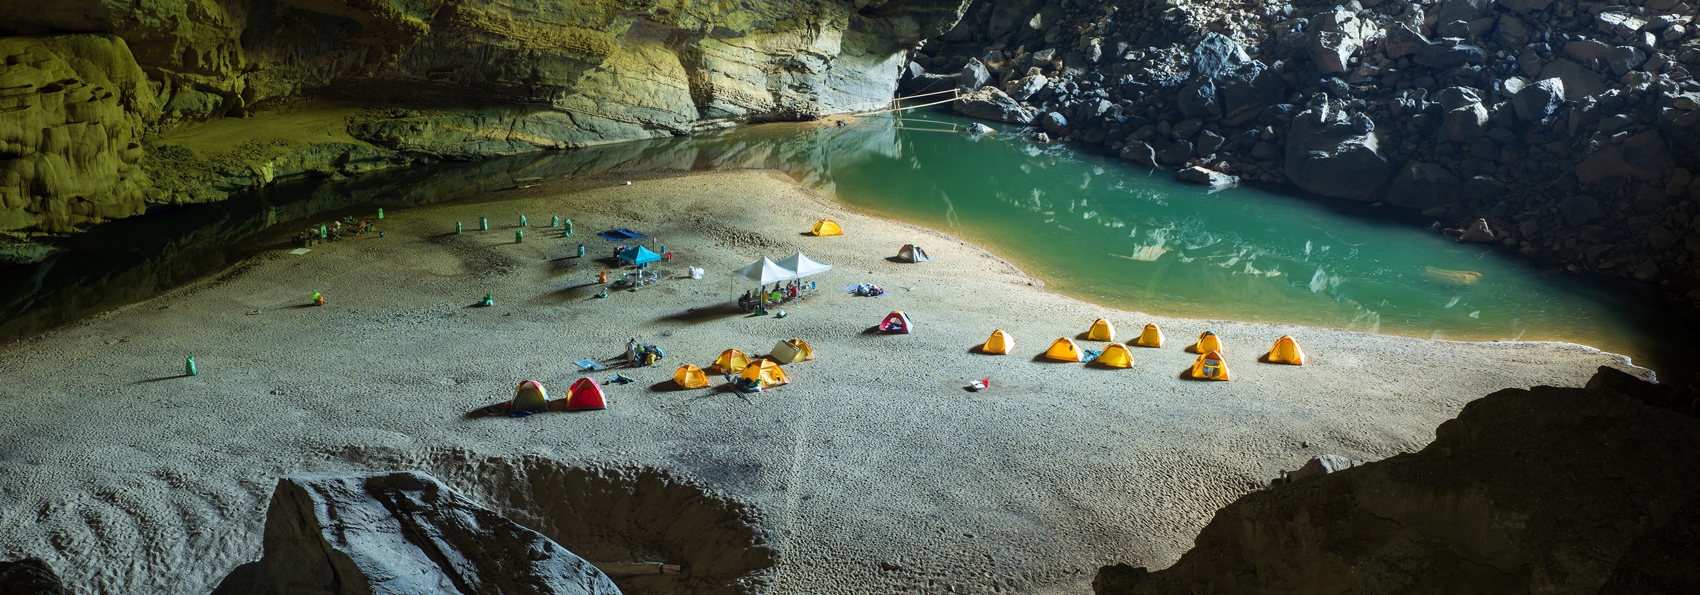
{"x":1210,"y":367}
{"x":690,"y":376}
{"x":1286,"y":351}
{"x":1000,"y":343}
{"x":731,"y":361}
{"x":1115,"y":355}
{"x":1064,"y":349}
{"x":1207,"y":342}
{"x":827,"y":227}
{"x":764,"y":373}
{"x":1101,"y":331}
{"x":1152,"y":337}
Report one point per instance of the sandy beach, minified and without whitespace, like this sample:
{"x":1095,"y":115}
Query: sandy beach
{"x":873,"y":471}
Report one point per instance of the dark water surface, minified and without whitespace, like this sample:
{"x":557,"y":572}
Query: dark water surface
{"x":1092,"y":227}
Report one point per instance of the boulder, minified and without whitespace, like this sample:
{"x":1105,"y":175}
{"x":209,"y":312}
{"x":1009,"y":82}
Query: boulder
{"x":1421,"y":185}
{"x":1401,"y":41}
{"x":1623,"y":59}
{"x":1579,"y":82}
{"x":1585,"y":49}
{"x":1216,"y":55}
{"x":1023,"y":88}
{"x":1444,"y":55}
{"x":1477,"y":232}
{"x":1526,"y":6}
{"x":1054,"y":123}
{"x":973,"y":76}
{"x":1198,"y":100}
{"x":1642,"y":157}
{"x":29,"y":576}
{"x":1466,"y":123}
{"x":1206,"y":177}
{"x":1333,"y":153}
{"x":990,"y":103}
{"x":1207,"y":142}
{"x":979,"y":128}
{"x":1539,"y":102}
{"x":1140,"y":153}
{"x":1176,"y":153}
{"x":400,"y":533}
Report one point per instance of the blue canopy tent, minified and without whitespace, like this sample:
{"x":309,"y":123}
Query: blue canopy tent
{"x":639,"y":256}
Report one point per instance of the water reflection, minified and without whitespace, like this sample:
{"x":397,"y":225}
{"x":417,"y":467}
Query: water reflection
{"x":1090,"y":226}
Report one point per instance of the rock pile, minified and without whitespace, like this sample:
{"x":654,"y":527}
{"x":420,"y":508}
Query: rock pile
{"x":1569,"y":130}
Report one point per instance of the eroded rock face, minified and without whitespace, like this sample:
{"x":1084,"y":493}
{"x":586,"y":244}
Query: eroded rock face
{"x":479,"y":78}
{"x":1490,"y":507}
{"x":402,"y":532}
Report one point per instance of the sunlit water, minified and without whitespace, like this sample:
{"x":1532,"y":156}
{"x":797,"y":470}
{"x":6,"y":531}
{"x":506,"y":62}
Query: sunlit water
{"x":1102,"y":230}
{"x":1090,"y":226}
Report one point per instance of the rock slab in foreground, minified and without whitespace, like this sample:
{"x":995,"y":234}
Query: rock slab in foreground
{"x":402,"y":532}
{"x":1556,"y":490}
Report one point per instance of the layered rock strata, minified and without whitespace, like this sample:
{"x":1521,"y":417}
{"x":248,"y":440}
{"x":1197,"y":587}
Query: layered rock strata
{"x":1568,"y":130}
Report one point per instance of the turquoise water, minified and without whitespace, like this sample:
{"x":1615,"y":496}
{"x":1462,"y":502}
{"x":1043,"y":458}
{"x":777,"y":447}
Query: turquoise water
{"x":1099,"y":229}
{"x":1090,"y":226}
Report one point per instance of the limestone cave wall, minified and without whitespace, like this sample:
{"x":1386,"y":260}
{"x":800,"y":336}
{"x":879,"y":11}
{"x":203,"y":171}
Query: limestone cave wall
{"x":94,"y":92}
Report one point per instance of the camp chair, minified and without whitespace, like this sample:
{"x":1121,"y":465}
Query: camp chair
{"x":1286,"y":351}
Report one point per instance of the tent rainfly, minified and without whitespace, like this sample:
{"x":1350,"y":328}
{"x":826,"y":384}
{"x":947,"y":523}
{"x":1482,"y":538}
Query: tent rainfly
{"x":801,"y":265}
{"x":912,"y":253}
{"x":639,"y":256}
{"x":766,"y":271}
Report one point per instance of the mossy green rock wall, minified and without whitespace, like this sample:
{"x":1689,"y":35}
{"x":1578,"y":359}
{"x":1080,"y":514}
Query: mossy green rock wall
{"x":440,"y":79}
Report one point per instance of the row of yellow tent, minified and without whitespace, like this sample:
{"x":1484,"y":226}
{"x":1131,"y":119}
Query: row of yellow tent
{"x":1209,"y":364}
{"x":764,"y":371}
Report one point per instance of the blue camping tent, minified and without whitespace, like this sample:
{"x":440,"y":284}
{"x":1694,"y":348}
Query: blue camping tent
{"x":639,"y":256}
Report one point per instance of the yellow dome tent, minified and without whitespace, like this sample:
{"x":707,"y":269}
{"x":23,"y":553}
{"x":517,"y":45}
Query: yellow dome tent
{"x":764,"y":372}
{"x":1065,"y":350}
{"x":1101,"y":331}
{"x":1000,"y":343}
{"x":795,"y":350}
{"x":1286,"y":351}
{"x":1152,"y":337}
{"x":530,"y":397}
{"x":1207,"y":342}
{"x":1210,"y":367}
{"x":1115,"y":355}
{"x":731,"y":361}
{"x":690,"y":376}
{"x":827,"y":227}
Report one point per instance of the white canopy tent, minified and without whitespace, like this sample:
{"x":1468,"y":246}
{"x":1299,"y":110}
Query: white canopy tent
{"x":766,"y":271}
{"x":803,"y":266}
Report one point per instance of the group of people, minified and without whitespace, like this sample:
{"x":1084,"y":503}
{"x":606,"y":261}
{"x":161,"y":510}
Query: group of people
{"x":754,"y":300}
{"x":331,"y":231}
{"x":867,"y":290}
{"x":641,"y":354}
